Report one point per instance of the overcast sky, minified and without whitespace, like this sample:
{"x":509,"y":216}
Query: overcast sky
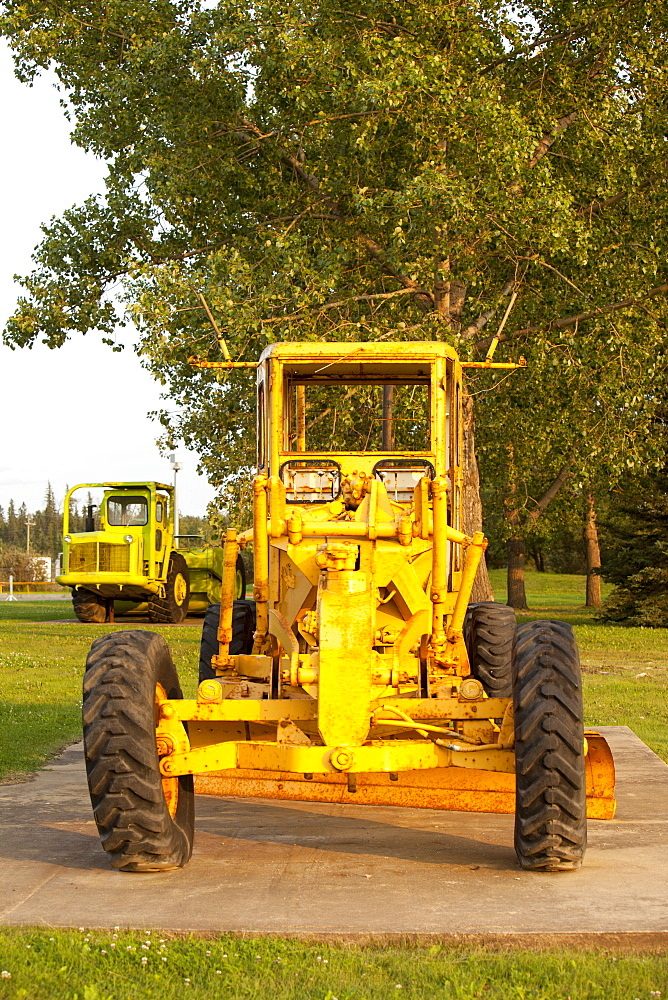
{"x":78,"y":413}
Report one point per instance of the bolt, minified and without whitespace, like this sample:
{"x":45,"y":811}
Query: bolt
{"x":342,"y":759}
{"x":210,"y":690}
{"x":167,"y":712}
{"x":168,"y":765}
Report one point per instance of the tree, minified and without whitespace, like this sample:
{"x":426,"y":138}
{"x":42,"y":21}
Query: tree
{"x":366,"y":171}
{"x":636,"y":553}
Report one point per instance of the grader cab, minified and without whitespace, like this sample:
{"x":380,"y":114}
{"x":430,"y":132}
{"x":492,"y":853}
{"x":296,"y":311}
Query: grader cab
{"x":360,"y":672}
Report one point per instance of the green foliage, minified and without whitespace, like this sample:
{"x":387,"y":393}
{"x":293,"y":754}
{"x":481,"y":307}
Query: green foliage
{"x":370,"y":171}
{"x":637,"y":553}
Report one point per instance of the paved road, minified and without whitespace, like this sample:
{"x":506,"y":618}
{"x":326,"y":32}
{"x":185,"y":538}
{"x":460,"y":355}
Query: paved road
{"x":337,"y":870}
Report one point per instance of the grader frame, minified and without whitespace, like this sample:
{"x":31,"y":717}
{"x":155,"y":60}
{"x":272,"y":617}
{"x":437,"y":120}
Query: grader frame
{"x":358,"y":686}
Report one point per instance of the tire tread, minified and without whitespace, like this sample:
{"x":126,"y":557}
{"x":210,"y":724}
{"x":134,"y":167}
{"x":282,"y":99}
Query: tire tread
{"x":550,"y":817}
{"x":124,"y":780}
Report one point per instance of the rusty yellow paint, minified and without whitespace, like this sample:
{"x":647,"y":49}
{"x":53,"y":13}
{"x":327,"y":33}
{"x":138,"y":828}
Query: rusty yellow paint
{"x":363,"y":575}
{"x":377,"y":755}
{"x":166,"y":743}
{"x":451,"y":788}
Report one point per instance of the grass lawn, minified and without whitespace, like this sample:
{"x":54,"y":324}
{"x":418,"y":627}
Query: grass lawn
{"x":94,"y":965}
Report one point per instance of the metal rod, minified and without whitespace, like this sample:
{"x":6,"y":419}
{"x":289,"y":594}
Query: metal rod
{"x":260,"y":560}
{"x":439,"y":572}
{"x":230,"y":554}
{"x":388,"y":421}
{"x":471,"y":562}
{"x":301,"y":418}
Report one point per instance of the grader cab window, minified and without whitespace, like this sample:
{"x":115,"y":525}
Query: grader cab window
{"x":358,"y":418}
{"x":127,"y":512}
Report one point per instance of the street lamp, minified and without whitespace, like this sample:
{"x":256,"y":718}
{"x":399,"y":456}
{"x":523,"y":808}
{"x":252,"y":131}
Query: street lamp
{"x":30,"y":523}
{"x":175,"y":468}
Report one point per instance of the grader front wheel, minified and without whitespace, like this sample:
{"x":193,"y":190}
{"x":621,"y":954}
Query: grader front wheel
{"x":551,"y":809}
{"x":146,"y":822}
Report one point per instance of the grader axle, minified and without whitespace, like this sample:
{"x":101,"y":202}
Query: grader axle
{"x":360,"y":671}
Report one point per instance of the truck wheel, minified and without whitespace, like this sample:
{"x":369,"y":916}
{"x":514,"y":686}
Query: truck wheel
{"x":146,"y":822}
{"x":243,"y":627}
{"x":240,"y":580}
{"x":551,"y":808}
{"x":88,"y":607}
{"x":489,"y":631}
{"x":173,"y":607}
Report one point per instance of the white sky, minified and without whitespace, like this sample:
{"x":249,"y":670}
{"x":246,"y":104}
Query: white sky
{"x":78,"y":413}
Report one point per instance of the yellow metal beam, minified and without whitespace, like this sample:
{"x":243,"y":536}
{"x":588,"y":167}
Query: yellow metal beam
{"x":274,"y":709}
{"x":386,"y":756}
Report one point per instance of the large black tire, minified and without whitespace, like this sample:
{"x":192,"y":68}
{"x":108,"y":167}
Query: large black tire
{"x":173,"y":607}
{"x":551,"y":807}
{"x":89,"y":607}
{"x":489,"y":631}
{"x":243,"y":627}
{"x":126,"y":788}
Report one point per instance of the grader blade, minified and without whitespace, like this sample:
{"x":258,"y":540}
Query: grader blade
{"x":456,"y":789}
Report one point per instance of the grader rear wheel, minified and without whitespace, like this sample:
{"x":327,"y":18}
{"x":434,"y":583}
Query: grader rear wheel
{"x":551,"y":808}
{"x":243,"y":627}
{"x":240,"y":580}
{"x":173,"y":607}
{"x":489,"y":631}
{"x":88,"y":607}
{"x":146,"y":822}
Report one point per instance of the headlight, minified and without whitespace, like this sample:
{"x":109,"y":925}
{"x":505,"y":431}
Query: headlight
{"x":68,"y":538}
{"x":127,"y":538}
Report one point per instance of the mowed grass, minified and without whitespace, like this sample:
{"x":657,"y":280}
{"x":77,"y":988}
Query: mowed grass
{"x":94,"y":965}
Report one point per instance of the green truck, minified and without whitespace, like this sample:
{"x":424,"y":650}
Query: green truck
{"x":120,"y":555}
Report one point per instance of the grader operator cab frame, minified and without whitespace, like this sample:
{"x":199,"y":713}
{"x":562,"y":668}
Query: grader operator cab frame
{"x":127,"y":558}
{"x":360,"y":672}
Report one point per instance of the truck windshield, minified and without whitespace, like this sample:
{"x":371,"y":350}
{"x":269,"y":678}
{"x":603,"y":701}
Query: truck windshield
{"x":127,"y":512}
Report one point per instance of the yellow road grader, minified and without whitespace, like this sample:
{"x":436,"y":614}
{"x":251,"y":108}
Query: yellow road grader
{"x":360,"y":672}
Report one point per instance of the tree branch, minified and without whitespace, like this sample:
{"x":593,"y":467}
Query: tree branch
{"x":557,"y":324}
{"x":343,"y":302}
{"x":595,"y":207}
{"x":483,"y":319}
{"x":423,"y":298}
{"x":544,"y":145}
{"x":551,"y":492}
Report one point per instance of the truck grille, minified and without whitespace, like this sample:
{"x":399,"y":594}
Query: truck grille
{"x":98,"y":557}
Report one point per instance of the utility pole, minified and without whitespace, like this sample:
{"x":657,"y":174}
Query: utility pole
{"x":30,"y":523}
{"x":175,"y":468}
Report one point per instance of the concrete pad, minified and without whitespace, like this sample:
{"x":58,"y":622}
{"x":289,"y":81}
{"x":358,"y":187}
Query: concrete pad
{"x":266,"y":867}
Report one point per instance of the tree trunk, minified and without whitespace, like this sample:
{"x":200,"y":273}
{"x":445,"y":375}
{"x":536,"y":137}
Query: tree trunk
{"x":517,"y":597}
{"x":592,"y":554}
{"x":515,"y":546}
{"x":471,"y":502}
